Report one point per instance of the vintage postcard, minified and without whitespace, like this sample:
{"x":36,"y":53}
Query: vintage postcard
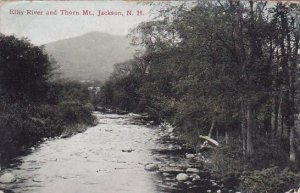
{"x":197,"y":96}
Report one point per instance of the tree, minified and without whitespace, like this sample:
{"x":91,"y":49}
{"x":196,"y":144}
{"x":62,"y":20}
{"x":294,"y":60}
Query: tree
{"x":221,"y":67}
{"x":25,"y":70}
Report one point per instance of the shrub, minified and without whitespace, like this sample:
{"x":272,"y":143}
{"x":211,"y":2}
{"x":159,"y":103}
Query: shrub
{"x":269,"y":180}
{"x":23,"y":126}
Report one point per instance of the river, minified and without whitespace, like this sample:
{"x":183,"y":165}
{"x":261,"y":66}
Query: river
{"x":107,"y":158}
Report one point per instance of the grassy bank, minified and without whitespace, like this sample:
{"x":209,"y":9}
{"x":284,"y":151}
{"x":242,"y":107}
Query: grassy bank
{"x":267,"y":170}
{"x":24,"y":126}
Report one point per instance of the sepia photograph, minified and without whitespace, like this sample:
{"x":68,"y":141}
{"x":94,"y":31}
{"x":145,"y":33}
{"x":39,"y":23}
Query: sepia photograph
{"x":161,"y":96}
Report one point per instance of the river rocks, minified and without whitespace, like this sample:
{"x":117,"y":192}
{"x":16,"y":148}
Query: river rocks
{"x":7,"y":178}
{"x":165,"y":174}
{"x":219,"y":191}
{"x":192,"y":170}
{"x":127,"y":150}
{"x":151,"y":167}
{"x":181,"y":177}
{"x":188,"y":183}
{"x":170,"y":129}
{"x":189,"y":156}
{"x":174,"y":147}
{"x":195,"y":177}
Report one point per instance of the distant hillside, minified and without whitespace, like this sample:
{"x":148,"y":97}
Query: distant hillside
{"x":90,"y":56}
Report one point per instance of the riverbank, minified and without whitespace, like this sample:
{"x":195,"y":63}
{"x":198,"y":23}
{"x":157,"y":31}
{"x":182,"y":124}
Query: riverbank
{"x":183,"y":170}
{"x":108,"y":158}
{"x":123,"y":153}
{"x":231,"y":170}
{"x":22,"y":126}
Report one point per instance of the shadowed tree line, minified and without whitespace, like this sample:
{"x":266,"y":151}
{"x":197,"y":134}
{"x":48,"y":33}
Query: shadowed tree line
{"x":34,"y":103}
{"x":226,"y":69}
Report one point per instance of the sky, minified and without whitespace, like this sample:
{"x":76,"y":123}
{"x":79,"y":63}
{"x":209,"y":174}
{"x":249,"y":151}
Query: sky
{"x":42,"y":29}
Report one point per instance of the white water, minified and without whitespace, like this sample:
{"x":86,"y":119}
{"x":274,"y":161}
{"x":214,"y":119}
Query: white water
{"x":91,"y":162}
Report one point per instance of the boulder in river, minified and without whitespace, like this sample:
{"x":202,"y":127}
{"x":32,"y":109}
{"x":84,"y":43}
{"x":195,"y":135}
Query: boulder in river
{"x":151,"y":167}
{"x":189,"y":156}
{"x":165,"y":174}
{"x":174,"y":147}
{"x":7,"y":178}
{"x":127,"y":150}
{"x":192,"y":170}
{"x":181,"y":177}
{"x":170,"y":129}
{"x":188,"y":183}
{"x":195,"y":177}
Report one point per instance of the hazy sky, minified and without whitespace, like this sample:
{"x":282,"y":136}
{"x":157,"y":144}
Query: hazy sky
{"x":41,"y":29}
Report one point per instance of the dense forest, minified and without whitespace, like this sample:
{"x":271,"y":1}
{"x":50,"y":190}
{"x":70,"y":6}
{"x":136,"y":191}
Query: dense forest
{"x":228,"y":70}
{"x":34,"y":103}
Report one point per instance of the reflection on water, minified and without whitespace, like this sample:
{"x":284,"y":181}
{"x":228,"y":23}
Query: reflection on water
{"x":91,"y":162}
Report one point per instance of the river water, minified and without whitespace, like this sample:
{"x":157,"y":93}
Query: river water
{"x":107,"y":158}
{"x":97,"y":160}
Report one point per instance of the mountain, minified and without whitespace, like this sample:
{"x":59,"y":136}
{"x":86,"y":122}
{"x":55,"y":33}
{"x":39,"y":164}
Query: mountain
{"x":90,"y":56}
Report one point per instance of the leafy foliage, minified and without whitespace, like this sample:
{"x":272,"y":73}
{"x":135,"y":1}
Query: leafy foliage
{"x":221,"y":68}
{"x":25,"y":70}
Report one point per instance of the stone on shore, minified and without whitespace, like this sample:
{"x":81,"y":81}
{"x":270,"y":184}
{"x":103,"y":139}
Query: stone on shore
{"x":195,"y":177}
{"x":192,"y":170}
{"x":7,"y":178}
{"x":181,"y":177}
{"x":190,"y":156}
{"x":151,"y":167}
{"x":170,"y":129}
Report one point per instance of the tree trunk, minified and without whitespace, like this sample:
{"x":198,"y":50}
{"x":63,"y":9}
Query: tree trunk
{"x":293,"y":73}
{"x":249,"y":128}
{"x":276,"y":115}
{"x":292,"y":145}
{"x":212,"y":127}
{"x":243,"y":126}
{"x":226,"y":137}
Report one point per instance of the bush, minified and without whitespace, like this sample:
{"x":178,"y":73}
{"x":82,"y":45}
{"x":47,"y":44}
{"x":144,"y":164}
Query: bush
{"x":25,"y":70}
{"x":23,"y":126}
{"x":263,"y":172}
{"x":228,"y":158}
{"x":269,"y":180}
